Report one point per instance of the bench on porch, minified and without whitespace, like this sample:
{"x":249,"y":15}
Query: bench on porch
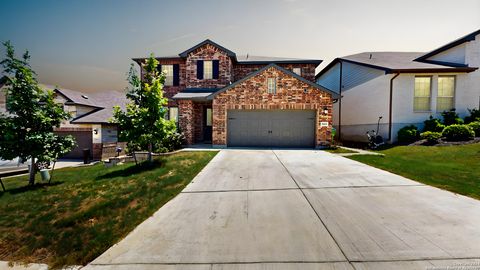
{"x":11,"y":173}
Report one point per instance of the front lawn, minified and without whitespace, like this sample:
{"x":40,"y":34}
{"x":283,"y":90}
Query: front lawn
{"x":87,"y":209}
{"x":454,"y":168}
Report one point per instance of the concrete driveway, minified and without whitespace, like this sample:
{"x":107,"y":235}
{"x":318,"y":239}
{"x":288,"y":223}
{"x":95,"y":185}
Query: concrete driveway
{"x":302,"y":209}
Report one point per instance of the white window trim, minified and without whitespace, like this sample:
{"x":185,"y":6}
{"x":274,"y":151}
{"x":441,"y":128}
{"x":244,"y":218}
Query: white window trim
{"x":168,"y":77}
{"x":210,"y":74}
{"x":454,"y":92}
{"x":430,"y":97}
{"x":274,"y":85}
{"x":169,"y":113}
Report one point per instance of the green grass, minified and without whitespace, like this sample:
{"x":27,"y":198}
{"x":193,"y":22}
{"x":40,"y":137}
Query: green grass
{"x":454,"y":168}
{"x":339,"y":150}
{"x":87,"y":209}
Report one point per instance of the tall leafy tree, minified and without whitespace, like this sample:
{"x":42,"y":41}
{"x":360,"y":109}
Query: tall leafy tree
{"x":27,"y":128}
{"x":143,"y":124}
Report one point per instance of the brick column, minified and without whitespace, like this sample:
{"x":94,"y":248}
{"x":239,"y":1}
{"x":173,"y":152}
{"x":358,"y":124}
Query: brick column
{"x":185,"y":120}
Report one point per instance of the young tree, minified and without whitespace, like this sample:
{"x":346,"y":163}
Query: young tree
{"x":27,"y":128}
{"x":143,"y":124}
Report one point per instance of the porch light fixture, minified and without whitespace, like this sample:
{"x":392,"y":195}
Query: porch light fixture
{"x":95,"y":131}
{"x":325,"y":110}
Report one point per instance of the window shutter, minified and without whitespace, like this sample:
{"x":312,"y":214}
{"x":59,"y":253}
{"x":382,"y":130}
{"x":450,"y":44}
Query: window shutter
{"x":200,"y":69}
{"x":215,"y":66}
{"x":176,"y":74}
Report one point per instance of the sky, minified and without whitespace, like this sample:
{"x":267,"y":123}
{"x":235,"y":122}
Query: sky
{"x":87,"y":45}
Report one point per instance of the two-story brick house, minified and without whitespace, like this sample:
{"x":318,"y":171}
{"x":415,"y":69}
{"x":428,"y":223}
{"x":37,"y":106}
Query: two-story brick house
{"x":219,"y":97}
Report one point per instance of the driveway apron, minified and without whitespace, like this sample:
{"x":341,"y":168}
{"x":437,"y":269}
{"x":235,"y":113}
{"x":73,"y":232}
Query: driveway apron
{"x":301,"y":209}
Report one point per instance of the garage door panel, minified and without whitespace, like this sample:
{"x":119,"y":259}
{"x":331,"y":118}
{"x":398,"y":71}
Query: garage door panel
{"x":276,"y":128}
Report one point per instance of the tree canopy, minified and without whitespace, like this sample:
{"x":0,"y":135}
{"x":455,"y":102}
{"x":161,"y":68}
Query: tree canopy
{"x":143,"y":124}
{"x":27,"y":127}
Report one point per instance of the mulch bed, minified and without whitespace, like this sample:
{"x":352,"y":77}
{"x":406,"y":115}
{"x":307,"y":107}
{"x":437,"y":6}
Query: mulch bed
{"x":442,"y":142}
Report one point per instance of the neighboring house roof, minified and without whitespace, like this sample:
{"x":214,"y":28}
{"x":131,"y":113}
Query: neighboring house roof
{"x":288,"y":72}
{"x":245,"y":59}
{"x":75,"y":97}
{"x":106,"y":99}
{"x":447,"y":46}
{"x":394,"y":62}
{"x":102,"y":102}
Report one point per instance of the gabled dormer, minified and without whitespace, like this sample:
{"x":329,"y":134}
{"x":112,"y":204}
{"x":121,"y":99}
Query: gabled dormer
{"x":462,"y":52}
{"x":208,"y":65}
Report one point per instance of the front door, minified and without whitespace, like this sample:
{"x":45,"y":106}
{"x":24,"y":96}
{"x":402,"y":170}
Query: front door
{"x":207,"y":129}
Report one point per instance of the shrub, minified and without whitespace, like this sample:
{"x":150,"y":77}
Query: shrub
{"x":473,"y":117}
{"x":476,"y":127}
{"x":173,"y":141}
{"x":451,"y":118}
{"x":458,"y":133}
{"x":408,"y":134}
{"x":431,"y":137}
{"x":433,"y":124}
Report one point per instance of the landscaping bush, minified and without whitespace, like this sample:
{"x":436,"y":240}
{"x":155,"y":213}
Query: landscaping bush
{"x":473,"y":117}
{"x":408,"y":134}
{"x":431,"y":137}
{"x":451,"y":118}
{"x":433,"y":124}
{"x":173,"y":141}
{"x":458,"y":133}
{"x":476,"y":127}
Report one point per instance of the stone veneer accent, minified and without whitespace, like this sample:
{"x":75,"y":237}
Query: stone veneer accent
{"x":252,"y":95}
{"x":208,"y":52}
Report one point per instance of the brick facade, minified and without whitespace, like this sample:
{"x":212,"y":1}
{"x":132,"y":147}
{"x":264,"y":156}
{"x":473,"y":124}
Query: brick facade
{"x":251,"y":94}
{"x":242,"y":70}
{"x":209,"y":52}
{"x":291,"y":94}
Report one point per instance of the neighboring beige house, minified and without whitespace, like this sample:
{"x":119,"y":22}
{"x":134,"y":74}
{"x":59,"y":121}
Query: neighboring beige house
{"x":403,"y":87}
{"x":90,"y":119}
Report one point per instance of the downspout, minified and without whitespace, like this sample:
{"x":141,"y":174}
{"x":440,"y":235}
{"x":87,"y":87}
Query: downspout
{"x":390,"y":108}
{"x":340,"y":105}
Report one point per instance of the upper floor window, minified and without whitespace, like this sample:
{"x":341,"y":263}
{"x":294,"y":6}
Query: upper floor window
{"x":207,"y":69}
{"x":272,"y":85}
{"x":172,"y":74}
{"x":422,"y":94}
{"x":297,"y":71}
{"x":446,"y":93}
{"x":168,"y":71}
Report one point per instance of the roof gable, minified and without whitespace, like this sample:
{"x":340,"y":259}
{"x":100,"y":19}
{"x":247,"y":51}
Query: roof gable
{"x":207,"y":41}
{"x":452,"y":44}
{"x":286,"y":71}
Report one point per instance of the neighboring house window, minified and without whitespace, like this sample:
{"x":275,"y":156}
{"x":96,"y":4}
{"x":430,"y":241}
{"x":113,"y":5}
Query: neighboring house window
{"x":168,"y":71}
{"x":207,"y":69}
{"x":422,"y":94}
{"x":272,"y":85}
{"x":297,"y":71}
{"x":446,"y":93}
{"x":173,"y":113}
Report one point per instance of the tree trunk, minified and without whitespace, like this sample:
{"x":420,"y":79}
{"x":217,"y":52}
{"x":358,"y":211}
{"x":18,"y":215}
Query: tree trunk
{"x":135,"y":157}
{"x":150,"y":159}
{"x":31,"y":179}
